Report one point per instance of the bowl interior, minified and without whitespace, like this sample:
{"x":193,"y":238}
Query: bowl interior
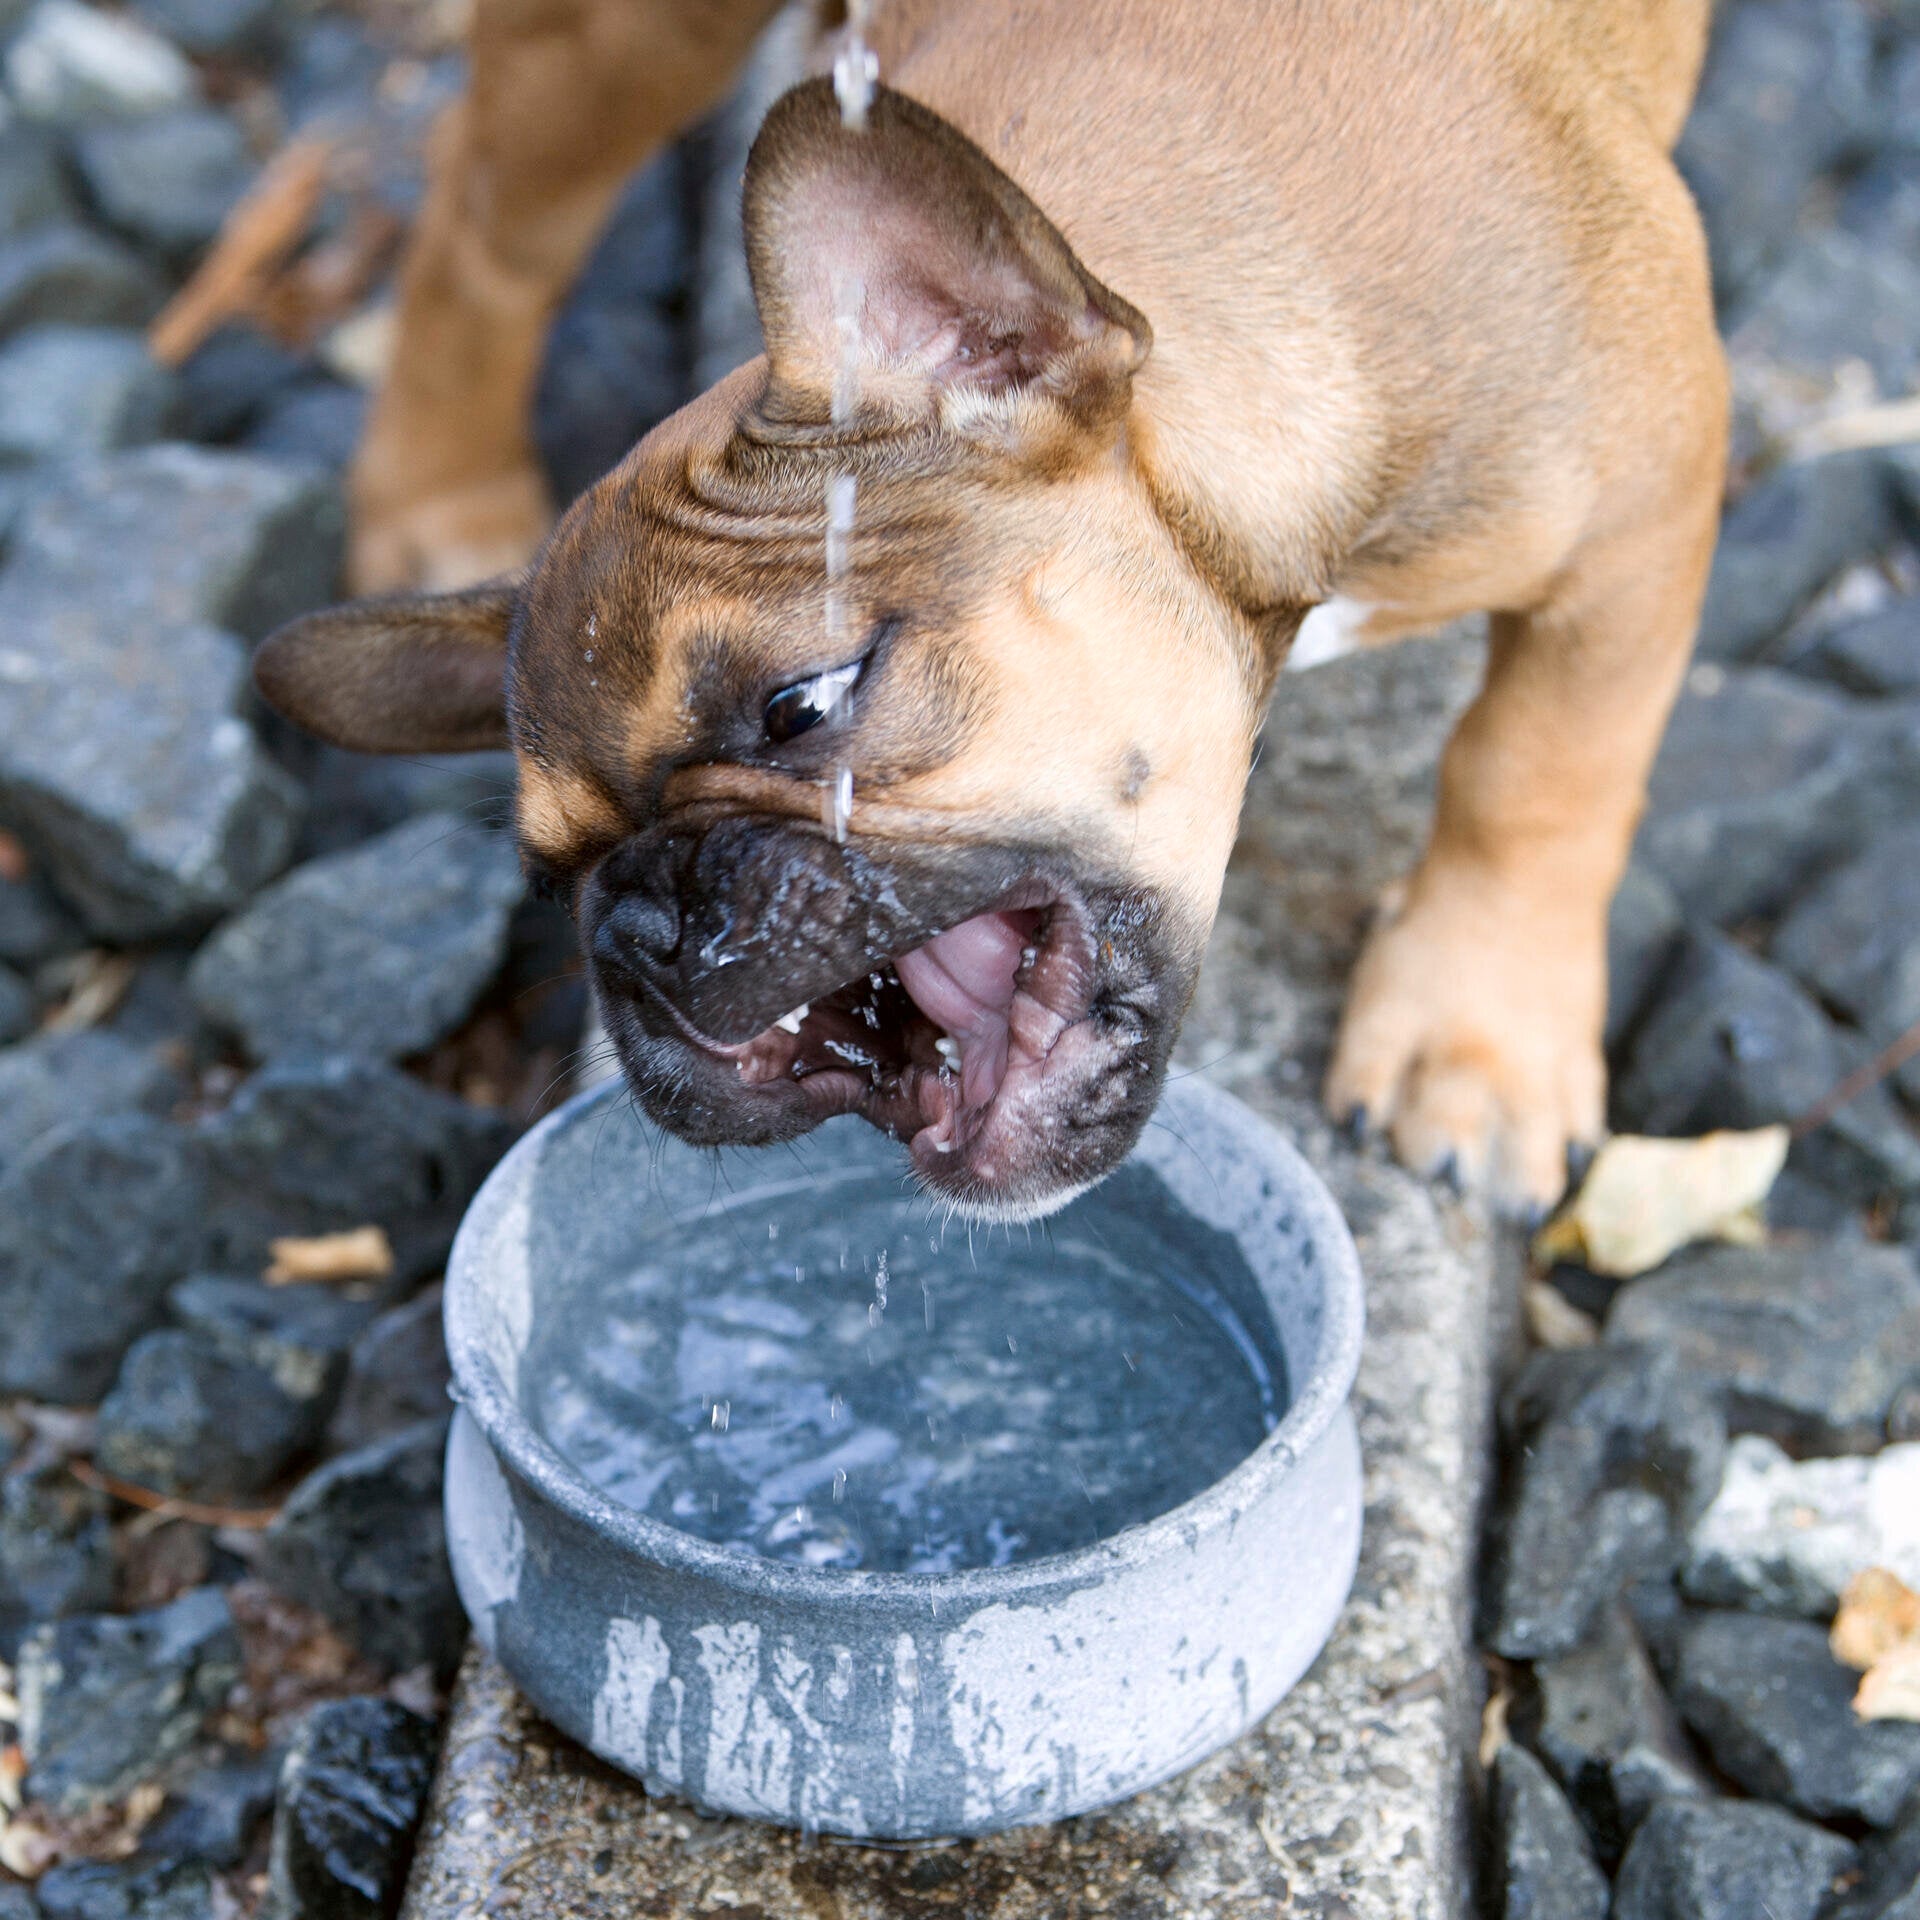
{"x":786,"y":1353}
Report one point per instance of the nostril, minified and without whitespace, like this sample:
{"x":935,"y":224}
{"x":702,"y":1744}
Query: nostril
{"x":637,"y":930}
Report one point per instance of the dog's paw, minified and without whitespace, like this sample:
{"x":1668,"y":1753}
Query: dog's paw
{"x":443,"y":541}
{"x":1473,"y":1044}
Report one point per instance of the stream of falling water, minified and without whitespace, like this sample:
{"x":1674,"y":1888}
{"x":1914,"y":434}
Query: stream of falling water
{"x":855,"y":70}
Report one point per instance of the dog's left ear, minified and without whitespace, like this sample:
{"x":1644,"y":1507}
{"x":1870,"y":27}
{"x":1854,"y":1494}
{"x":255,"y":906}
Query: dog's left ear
{"x":905,"y":245}
{"x":412,"y":673}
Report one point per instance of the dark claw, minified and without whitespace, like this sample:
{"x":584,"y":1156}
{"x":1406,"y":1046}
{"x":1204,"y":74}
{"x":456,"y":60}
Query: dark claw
{"x":1579,"y":1158}
{"x":1447,"y":1174}
{"x":1356,"y":1128}
{"x":1533,"y":1216}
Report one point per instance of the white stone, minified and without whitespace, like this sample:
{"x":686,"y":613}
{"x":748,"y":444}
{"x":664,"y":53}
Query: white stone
{"x":1785,"y":1535}
{"x":69,"y":61}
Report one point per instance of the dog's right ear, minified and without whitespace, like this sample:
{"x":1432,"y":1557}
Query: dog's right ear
{"x":411,"y":673}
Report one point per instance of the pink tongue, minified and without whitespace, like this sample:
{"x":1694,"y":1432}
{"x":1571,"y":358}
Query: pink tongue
{"x":962,"y":980}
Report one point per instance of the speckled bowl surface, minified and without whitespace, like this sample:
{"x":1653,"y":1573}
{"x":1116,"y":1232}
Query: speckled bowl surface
{"x":900,"y":1705}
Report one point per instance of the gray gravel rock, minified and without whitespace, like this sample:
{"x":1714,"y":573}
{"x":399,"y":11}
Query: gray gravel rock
{"x":1761,"y":779}
{"x":34,"y":926}
{"x":1643,"y":936}
{"x":1834,"y":298}
{"x":1784,"y":539}
{"x":33,"y":190}
{"x":99,"y":1221}
{"x":1875,"y":654}
{"x":359,"y":795}
{"x":167,"y":180}
{"x":1775,"y":1709}
{"x":299,"y":1335}
{"x":1540,"y":1868}
{"x":362,"y":1540}
{"x":617,"y":359}
{"x":227,"y":384}
{"x":18,"y":1008}
{"x":397,"y":1375}
{"x":58,"y":1079}
{"x":1787,"y":93}
{"x":317,"y":1146}
{"x":1881,"y":204}
{"x":1785,"y":1536}
{"x":1612,"y":1454}
{"x":382,"y":950}
{"x":95,"y":1224}
{"x":56,"y":1552}
{"x":125,"y":762}
{"x":69,"y":62}
{"x":234,"y":539}
{"x":1734,"y":1042}
{"x":213,"y":1811}
{"x":183,"y":1418}
{"x":129,"y":1890}
{"x":107,"y":1700}
{"x":63,"y":271}
{"x":1809,"y":1345}
{"x":1889,"y":1885}
{"x":68,"y":390}
{"x":352,"y":1791}
{"x":317,"y":421}
{"x":247,"y":29}
{"x":1727,"y":1860}
{"x":1854,"y":938}
{"x":1599,"y":1720}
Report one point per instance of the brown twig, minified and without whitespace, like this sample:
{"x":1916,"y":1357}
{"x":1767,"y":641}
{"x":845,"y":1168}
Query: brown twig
{"x":254,"y":242}
{"x":1890,"y":1059}
{"x":249,"y":1519}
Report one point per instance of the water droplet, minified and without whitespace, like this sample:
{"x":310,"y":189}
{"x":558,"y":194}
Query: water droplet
{"x":839,"y":1484}
{"x":722,"y":1412}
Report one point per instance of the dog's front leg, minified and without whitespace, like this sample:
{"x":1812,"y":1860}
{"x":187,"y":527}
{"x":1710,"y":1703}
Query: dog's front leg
{"x":1472,"y":1035}
{"x":567,"y":97}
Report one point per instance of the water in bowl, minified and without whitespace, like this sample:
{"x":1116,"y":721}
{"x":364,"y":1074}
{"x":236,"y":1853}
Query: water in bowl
{"x":822,"y":1375}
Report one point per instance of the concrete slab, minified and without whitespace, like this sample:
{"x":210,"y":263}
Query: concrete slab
{"x":1351,"y":1801}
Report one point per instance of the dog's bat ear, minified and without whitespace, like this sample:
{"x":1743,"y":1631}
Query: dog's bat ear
{"x":410,"y":673}
{"x":901,"y":261}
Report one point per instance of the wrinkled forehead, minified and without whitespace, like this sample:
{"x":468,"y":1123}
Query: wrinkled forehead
{"x":685,"y":577}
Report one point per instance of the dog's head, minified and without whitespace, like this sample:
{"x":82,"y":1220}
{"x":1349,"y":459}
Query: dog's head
{"x":937,"y":840}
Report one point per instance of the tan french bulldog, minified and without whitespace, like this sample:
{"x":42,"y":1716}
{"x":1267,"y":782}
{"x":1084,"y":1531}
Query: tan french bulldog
{"x":1142,"y":331}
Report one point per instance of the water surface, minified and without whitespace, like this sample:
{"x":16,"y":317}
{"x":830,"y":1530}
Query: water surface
{"x":829,"y":1378}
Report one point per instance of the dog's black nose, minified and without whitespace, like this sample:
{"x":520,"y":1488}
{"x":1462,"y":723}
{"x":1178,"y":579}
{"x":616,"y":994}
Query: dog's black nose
{"x":637,"y":933}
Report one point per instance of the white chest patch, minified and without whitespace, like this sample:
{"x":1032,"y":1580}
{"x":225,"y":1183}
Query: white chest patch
{"x":1330,"y":630}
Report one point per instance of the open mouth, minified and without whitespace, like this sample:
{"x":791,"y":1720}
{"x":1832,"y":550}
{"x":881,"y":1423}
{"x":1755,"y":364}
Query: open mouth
{"x":944,"y":1045}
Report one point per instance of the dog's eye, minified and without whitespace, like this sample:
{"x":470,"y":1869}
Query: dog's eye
{"x":795,"y":709}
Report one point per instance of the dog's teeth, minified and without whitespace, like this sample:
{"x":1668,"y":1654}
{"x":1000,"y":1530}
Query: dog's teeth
{"x":948,"y":1048}
{"x":790,"y":1022}
{"x":1028,"y":955}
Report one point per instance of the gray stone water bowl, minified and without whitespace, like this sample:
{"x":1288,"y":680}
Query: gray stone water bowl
{"x":897,"y":1704}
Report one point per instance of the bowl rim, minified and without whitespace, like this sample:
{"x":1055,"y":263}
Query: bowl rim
{"x":638,"y":1537}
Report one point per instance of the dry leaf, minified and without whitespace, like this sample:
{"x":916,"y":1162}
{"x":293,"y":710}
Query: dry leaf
{"x":1553,"y":1321}
{"x":1890,"y":1688}
{"x":1493,"y":1722}
{"x":1878,"y":1628}
{"x":27,"y":1849}
{"x":362,"y":1253}
{"x":1878,"y":1612}
{"x":1644,"y":1199}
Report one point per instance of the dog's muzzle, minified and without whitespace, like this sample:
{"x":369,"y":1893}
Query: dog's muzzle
{"x":1007,"y":1018}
